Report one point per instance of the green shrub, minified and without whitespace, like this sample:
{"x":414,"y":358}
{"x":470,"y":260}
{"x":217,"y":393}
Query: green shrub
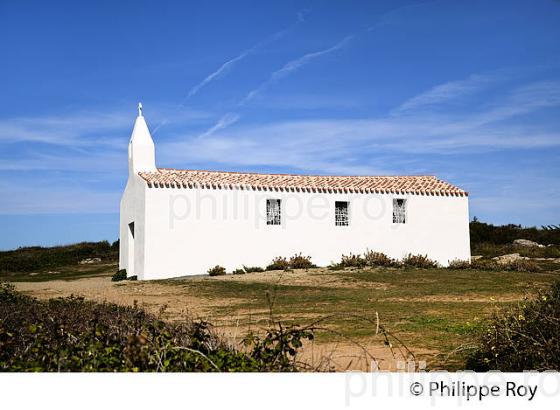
{"x":217,"y":271}
{"x":251,"y":269}
{"x":419,"y":261}
{"x":71,"y":334}
{"x":238,"y":272}
{"x":119,"y":275}
{"x":300,"y":262}
{"x":278,"y":348}
{"x":379,"y":259}
{"x":279,"y":263}
{"x":526,"y":337}
{"x":352,"y":261}
{"x":133,"y":277}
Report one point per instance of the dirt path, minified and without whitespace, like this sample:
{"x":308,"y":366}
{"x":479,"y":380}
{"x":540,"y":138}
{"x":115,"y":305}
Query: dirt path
{"x":150,"y":296}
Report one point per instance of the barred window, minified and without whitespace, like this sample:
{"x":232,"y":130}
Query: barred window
{"x":341,"y":213}
{"x":399,"y":211}
{"x":273,"y":216}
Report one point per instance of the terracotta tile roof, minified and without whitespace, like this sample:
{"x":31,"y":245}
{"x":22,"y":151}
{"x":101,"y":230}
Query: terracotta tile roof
{"x":421,"y":185}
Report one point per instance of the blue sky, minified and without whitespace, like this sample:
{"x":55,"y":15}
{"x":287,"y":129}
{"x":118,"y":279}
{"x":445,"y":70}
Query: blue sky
{"x":466,"y":90}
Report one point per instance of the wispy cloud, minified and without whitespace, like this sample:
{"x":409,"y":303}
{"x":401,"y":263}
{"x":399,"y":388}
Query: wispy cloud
{"x":224,"y":122}
{"x":231,"y":118}
{"x":221,"y":70}
{"x":309,"y":144}
{"x":73,"y":130}
{"x":446,"y":92}
{"x":77,"y":130}
{"x":527,"y":98}
{"x":113,"y":162}
{"x":293,"y":66}
{"x":310,"y":101}
{"x":33,"y":199}
{"x":229,"y":64}
{"x":395,"y":15}
{"x":350,"y":145}
{"x":382,"y":145}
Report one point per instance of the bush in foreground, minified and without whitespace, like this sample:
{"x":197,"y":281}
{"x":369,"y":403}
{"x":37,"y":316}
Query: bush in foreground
{"x":526,"y":337}
{"x":71,"y":334}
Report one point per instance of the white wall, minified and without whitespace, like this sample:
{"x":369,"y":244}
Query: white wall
{"x":132,"y":209}
{"x":141,"y":157}
{"x":188,"y":231}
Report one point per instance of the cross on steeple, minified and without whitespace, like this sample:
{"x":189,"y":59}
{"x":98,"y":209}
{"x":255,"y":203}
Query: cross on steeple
{"x":139,"y":109}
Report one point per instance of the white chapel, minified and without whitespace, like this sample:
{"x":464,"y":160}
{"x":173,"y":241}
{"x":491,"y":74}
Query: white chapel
{"x":179,"y":222}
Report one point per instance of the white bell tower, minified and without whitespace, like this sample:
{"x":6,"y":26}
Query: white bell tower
{"x":141,"y":149}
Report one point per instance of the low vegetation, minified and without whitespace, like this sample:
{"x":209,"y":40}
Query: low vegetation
{"x":484,"y":233}
{"x":279,"y":263}
{"x":217,"y":271}
{"x":432,"y":311}
{"x":515,"y":265}
{"x":378,"y":259}
{"x":119,"y":275}
{"x":491,"y":250}
{"x":71,"y":334}
{"x":418,"y":261}
{"x":459,"y":264}
{"x":350,"y":261}
{"x":526,"y":337}
{"x":252,"y":269}
{"x":38,"y":258}
{"x":298,"y":261}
